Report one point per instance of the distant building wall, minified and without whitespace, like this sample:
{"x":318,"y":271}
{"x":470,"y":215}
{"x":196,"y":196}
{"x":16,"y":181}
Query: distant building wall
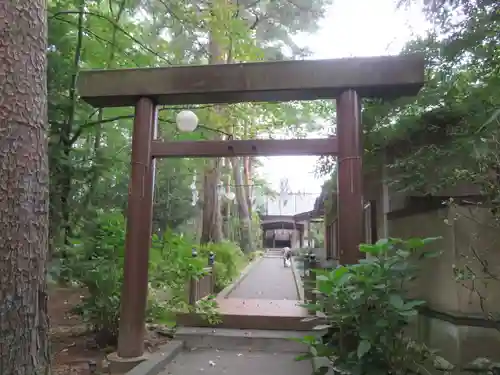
{"x":289,"y":204}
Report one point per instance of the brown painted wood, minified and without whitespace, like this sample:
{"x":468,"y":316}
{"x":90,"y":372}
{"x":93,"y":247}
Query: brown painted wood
{"x":327,"y":240}
{"x":279,"y":81}
{"x":137,"y":243}
{"x":255,"y":147}
{"x":350,"y":177}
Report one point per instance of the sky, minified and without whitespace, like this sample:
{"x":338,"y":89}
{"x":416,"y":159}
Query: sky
{"x":350,"y":28}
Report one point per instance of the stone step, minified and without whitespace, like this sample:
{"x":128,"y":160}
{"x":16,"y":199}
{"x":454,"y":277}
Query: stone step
{"x":236,"y":362}
{"x":241,"y":321}
{"x":272,"y":341}
{"x":274,"y":253}
{"x":280,"y":315}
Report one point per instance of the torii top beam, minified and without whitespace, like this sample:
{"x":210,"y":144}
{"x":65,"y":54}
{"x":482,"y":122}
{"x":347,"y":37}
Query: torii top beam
{"x":280,"y":81}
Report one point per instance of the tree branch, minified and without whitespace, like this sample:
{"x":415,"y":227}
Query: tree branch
{"x":118,"y":27}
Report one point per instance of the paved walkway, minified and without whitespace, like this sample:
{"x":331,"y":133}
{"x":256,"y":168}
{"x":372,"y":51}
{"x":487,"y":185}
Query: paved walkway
{"x":268,"y":292}
{"x":228,"y":362}
{"x":267,"y":280}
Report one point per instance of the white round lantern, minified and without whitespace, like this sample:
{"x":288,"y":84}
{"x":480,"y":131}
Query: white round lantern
{"x":229,"y":196}
{"x":187,"y":121}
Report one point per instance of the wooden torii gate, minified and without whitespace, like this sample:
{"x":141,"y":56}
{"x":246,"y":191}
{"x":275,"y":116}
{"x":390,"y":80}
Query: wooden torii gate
{"x":345,"y":80}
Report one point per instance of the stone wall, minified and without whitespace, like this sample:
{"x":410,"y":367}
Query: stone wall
{"x":457,"y":321}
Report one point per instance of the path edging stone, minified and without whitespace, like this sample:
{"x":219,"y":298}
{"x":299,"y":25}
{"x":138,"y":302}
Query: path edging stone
{"x":297,"y":280}
{"x":243,"y":274}
{"x":158,"y":360}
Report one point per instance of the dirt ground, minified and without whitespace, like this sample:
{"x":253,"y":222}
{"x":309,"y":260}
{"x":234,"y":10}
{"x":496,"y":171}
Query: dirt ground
{"x":73,"y":346}
{"x":70,"y":350}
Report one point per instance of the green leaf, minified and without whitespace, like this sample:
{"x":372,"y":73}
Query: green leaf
{"x":408,"y":312}
{"x":368,"y":261}
{"x":396,"y":301}
{"x":366,"y":248}
{"x":431,"y":239}
{"x":432,"y":254}
{"x":415,"y":243}
{"x":345,"y":278}
{"x":322,"y":327}
{"x":303,"y":357}
{"x":382,"y":323}
{"x":338,"y":272}
{"x":364,"y":347}
{"x":403,"y":253}
{"x":382,"y":242}
{"x":309,"y":339}
{"x":412,"y":304}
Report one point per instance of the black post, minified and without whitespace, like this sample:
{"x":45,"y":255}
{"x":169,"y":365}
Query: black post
{"x":313,"y":263}
{"x":211,"y":264}
{"x":193,"y":283}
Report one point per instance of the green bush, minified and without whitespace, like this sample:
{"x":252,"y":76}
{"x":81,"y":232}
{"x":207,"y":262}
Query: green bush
{"x":367,"y":309}
{"x":254,"y":255}
{"x":229,"y":259}
{"x":95,"y":261}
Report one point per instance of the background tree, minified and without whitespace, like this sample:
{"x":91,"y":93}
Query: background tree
{"x":452,"y":124}
{"x":24,"y":348}
{"x":89,"y":150}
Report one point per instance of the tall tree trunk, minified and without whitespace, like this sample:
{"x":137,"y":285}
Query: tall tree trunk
{"x":245,"y":220}
{"x":97,"y":152}
{"x":24,"y":345}
{"x":228,"y":204}
{"x":247,"y":172}
{"x":247,"y":175}
{"x":62,"y":168}
{"x":212,"y":219}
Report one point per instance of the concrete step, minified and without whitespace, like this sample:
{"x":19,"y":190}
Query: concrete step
{"x":243,"y":340}
{"x":241,"y":321}
{"x":274,"y":253}
{"x":234,"y":362}
{"x":279,"y":315}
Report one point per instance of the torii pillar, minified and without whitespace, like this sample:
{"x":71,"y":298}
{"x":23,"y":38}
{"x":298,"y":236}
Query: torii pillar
{"x":350,"y":177}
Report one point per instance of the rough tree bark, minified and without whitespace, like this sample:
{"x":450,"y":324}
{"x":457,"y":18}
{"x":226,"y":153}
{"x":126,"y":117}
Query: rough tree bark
{"x":247,"y":160}
{"x":247,"y":173}
{"x":212,"y":218}
{"x":23,"y":188}
{"x":243,"y":211}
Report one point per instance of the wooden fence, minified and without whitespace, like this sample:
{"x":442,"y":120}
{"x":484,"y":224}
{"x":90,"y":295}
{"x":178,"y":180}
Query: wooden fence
{"x":310,"y":265}
{"x":332,"y":231}
{"x":205,"y":285}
